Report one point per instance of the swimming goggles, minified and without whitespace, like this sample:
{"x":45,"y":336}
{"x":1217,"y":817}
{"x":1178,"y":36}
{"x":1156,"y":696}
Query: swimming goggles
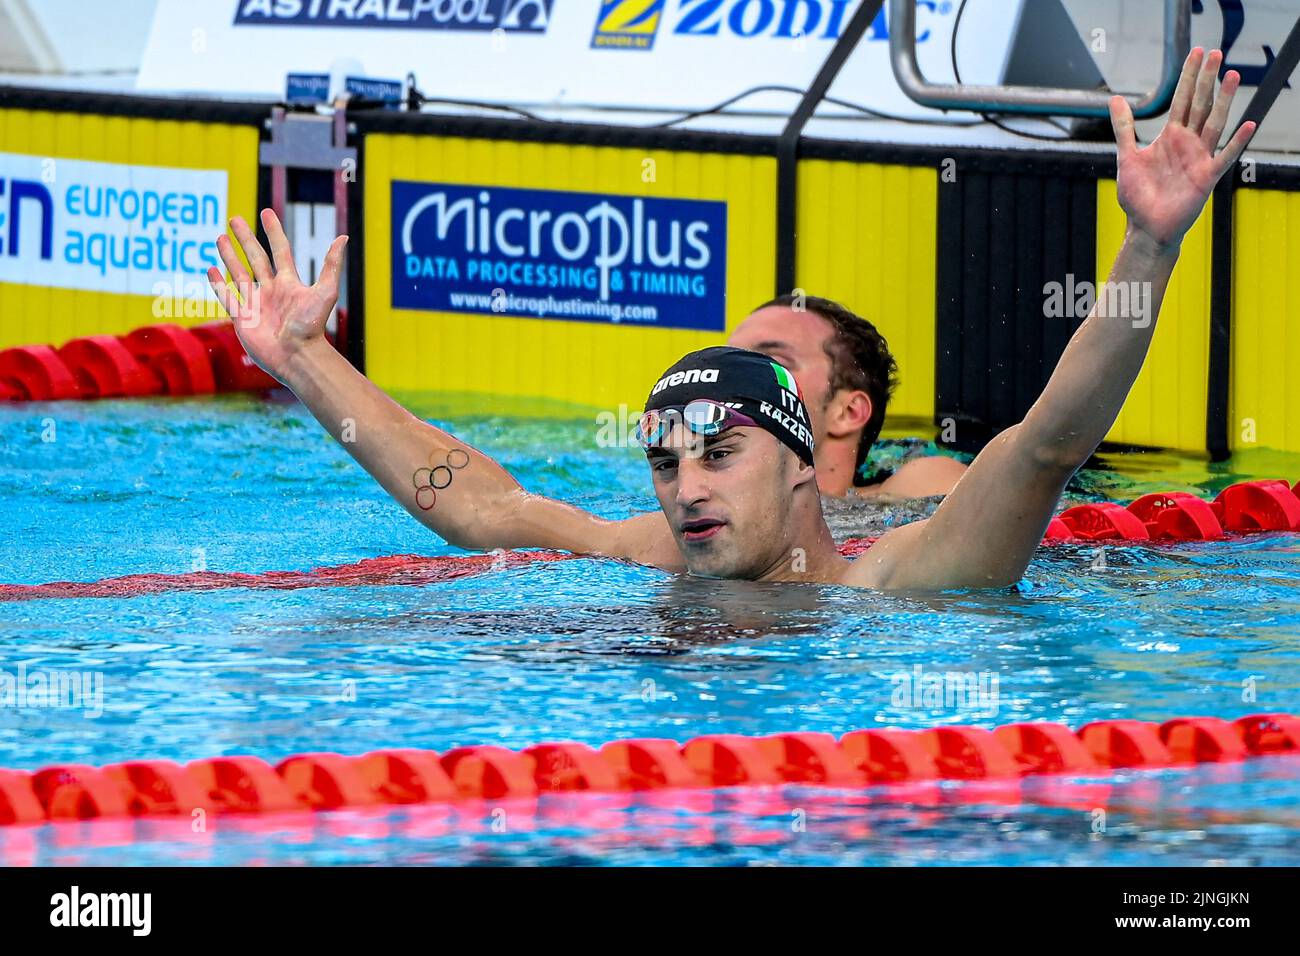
{"x":702,"y":416}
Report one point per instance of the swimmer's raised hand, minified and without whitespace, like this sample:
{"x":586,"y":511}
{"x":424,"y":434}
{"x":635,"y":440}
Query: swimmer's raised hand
{"x":275,"y":315}
{"x":1164,"y":186}
{"x":446,"y":484}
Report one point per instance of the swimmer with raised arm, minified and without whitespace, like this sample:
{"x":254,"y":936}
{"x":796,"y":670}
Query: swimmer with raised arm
{"x":728,"y":436}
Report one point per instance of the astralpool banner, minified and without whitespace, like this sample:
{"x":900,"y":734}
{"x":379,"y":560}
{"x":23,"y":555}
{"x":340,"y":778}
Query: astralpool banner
{"x":557,"y":254}
{"x":469,"y":16}
{"x":107,"y":227}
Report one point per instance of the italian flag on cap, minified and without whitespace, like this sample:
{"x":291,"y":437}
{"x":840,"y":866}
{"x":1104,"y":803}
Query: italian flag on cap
{"x":786,"y":380}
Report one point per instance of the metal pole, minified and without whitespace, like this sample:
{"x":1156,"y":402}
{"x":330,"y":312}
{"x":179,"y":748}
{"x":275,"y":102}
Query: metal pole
{"x":787,"y":147}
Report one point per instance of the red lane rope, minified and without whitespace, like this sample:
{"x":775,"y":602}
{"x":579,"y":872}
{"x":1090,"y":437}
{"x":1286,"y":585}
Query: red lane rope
{"x":163,"y":359}
{"x":1248,"y":507}
{"x":397,"y":569}
{"x":859,"y":759}
{"x":390,"y":571}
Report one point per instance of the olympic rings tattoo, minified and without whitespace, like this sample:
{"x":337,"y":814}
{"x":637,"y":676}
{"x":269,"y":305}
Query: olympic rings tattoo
{"x":429,"y":481}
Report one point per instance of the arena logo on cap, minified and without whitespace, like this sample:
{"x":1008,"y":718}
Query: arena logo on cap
{"x":688,"y":377}
{"x":550,"y":253}
{"x":482,"y":16}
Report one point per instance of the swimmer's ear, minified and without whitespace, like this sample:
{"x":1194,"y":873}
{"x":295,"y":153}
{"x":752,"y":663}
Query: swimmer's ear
{"x":848,"y":413}
{"x":802,"y":471}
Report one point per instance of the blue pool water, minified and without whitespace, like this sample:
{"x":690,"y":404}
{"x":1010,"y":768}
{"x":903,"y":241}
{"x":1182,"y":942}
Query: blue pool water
{"x":591,"y":651}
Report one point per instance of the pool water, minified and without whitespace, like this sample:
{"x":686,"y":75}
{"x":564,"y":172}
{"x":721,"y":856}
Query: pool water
{"x":593,"y":650}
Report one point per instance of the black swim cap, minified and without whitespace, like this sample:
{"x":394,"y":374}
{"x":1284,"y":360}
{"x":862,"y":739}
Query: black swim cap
{"x":749,"y":382}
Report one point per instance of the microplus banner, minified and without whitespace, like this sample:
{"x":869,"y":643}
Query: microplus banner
{"x":548,"y":253}
{"x":107,"y":227}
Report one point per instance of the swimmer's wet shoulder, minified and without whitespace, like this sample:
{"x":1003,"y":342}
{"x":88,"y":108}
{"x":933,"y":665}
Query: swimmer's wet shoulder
{"x":917,"y":478}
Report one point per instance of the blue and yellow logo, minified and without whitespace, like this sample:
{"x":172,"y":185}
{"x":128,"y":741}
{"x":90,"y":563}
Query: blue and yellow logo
{"x":627,"y":24}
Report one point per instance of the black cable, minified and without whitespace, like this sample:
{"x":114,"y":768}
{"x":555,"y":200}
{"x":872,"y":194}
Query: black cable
{"x":989,"y":117}
{"x":485,"y":106}
{"x":920,"y":121}
{"x":952,"y":49}
{"x":415,"y":99}
{"x":845,"y":104}
{"x":685,"y":117}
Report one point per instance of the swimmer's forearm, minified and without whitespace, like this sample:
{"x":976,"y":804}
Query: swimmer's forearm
{"x":1099,"y":366}
{"x":447,"y":485}
{"x":986,"y":530}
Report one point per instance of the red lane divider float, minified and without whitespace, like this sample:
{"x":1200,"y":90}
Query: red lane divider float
{"x":1045,"y":748}
{"x":859,"y":759}
{"x":1178,"y":516}
{"x":36,"y":373}
{"x":232,"y":369}
{"x":1270,"y":733}
{"x":242,"y":785}
{"x":1247,"y":507}
{"x":176,"y":357}
{"x":1258,"y":506}
{"x":889,"y":756}
{"x":1125,"y":743}
{"x":159,"y":787}
{"x":406,"y":776}
{"x":105,"y":368}
{"x":163,"y":359}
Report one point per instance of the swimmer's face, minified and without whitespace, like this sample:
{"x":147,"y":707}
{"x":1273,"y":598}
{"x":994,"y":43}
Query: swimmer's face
{"x":727,"y":498}
{"x":796,"y":339}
